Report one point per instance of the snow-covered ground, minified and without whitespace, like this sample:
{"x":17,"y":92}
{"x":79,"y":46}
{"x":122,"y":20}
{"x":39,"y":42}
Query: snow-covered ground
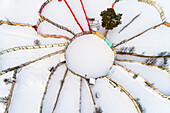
{"x":159,"y":78}
{"x":93,"y":66}
{"x":59,"y":13}
{"x":23,"y":11}
{"x":152,"y":42}
{"x":71,"y":93}
{"x":149,"y":99}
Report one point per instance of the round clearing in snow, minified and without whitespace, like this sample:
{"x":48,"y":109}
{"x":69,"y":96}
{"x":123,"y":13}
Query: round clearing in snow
{"x":89,"y":56}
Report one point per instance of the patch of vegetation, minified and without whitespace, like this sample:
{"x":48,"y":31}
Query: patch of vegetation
{"x":163,"y":53}
{"x":151,"y":60}
{"x":37,"y":42}
{"x":110,"y":19}
{"x":98,"y":110}
{"x":135,"y":76}
{"x":7,"y":81}
{"x":127,"y":49}
{"x":4,"y":100}
{"x":139,"y":105}
{"x":164,"y":63}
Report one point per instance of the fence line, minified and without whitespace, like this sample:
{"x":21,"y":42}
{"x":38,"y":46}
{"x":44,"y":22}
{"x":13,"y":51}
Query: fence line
{"x":11,"y":92}
{"x":140,"y":55}
{"x":127,"y":40}
{"x":32,"y":47}
{"x":157,"y":6}
{"x":59,"y":92}
{"x":164,"y":96}
{"x":46,"y":87}
{"x":133,"y":100}
{"x":30,"y":62}
{"x":27,"y":25}
{"x":144,"y":63}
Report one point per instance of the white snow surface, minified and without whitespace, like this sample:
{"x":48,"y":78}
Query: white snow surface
{"x":89,"y":55}
{"x":152,"y":42}
{"x":23,"y":11}
{"x":94,"y":8}
{"x":29,"y":87}
{"x":43,"y":28}
{"x":142,"y":59}
{"x":53,"y":89}
{"x":150,"y":100}
{"x":165,"y":7}
{"x":60,"y":14}
{"x":159,"y":78}
{"x":4,"y":93}
{"x":99,"y":5}
{"x":77,"y":9}
{"x":70,"y":95}
{"x":86,"y":99}
{"x":130,"y":9}
{"x":31,"y":80}
{"x":112,"y":99}
{"x":16,"y":36}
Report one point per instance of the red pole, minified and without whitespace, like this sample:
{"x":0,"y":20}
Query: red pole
{"x":113,"y":5}
{"x":74,"y":16}
{"x":85,"y":14}
{"x":44,"y":4}
{"x":35,"y":27}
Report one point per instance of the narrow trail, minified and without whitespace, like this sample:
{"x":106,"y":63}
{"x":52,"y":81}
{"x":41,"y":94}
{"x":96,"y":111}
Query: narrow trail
{"x":136,"y":36}
{"x":133,"y":19}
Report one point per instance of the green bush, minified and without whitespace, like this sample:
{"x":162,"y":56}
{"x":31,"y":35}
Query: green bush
{"x":110,"y":19}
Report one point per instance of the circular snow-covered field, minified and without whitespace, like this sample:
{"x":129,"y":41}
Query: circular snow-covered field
{"x":89,"y":56}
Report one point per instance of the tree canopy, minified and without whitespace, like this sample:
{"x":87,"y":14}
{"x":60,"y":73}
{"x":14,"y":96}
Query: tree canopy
{"x":110,"y":19}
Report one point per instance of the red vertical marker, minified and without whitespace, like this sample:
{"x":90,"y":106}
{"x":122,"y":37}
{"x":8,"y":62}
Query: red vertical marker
{"x":113,"y":5}
{"x":44,"y":4}
{"x":85,"y":14}
{"x":35,"y":27}
{"x":74,"y":16}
